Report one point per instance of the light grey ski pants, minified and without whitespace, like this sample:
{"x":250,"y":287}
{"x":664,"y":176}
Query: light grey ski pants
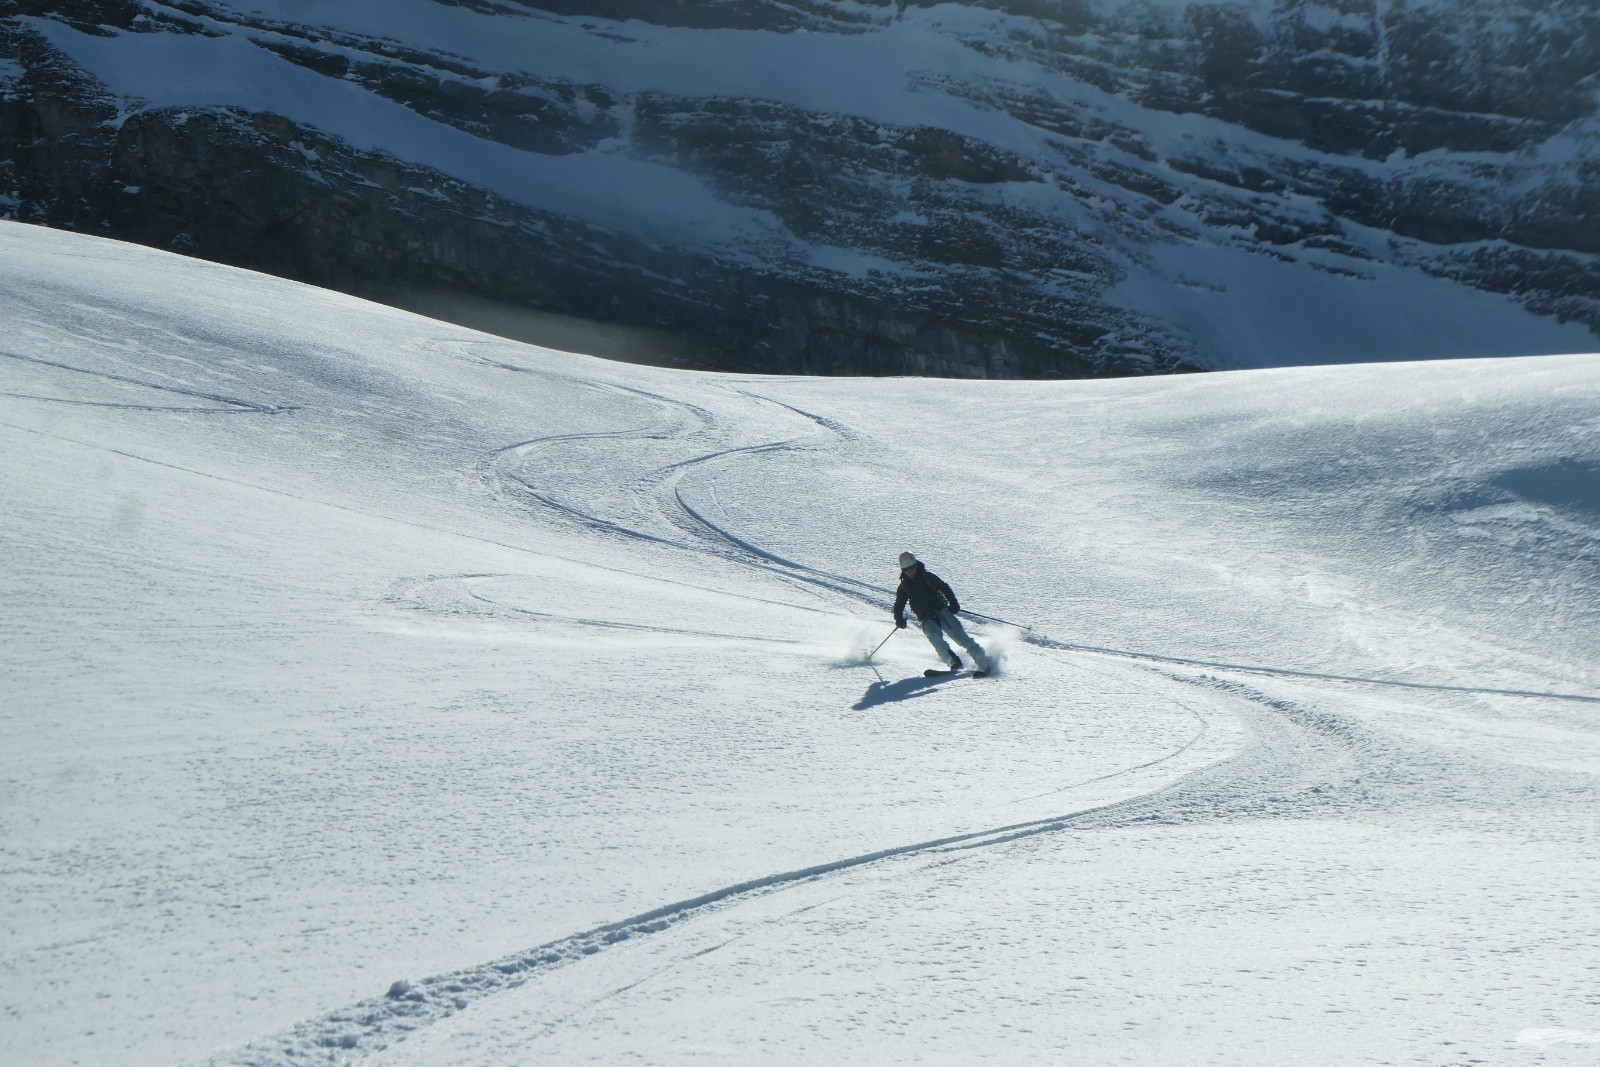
{"x":946,"y":623}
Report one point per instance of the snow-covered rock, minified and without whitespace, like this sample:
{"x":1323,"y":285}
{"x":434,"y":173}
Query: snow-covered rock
{"x":984,"y":189}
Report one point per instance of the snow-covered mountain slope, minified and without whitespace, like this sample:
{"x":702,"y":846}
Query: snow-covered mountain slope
{"x":992,"y":188}
{"x":376,"y":691}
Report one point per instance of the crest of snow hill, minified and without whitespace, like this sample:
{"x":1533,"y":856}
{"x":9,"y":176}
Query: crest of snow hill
{"x":990,"y":188}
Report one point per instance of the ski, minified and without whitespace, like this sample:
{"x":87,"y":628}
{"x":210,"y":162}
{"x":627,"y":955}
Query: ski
{"x":931,"y":673}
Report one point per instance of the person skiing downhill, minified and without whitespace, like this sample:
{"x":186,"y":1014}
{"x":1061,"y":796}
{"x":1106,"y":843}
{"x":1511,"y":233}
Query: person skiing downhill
{"x":935,"y":606}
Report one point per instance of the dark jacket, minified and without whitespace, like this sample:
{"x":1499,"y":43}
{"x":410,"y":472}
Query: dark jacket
{"x":926,"y":594}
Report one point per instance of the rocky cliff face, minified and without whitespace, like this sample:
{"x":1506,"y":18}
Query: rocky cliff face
{"x":992,"y":189}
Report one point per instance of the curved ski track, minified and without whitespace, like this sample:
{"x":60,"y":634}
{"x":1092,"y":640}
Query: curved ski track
{"x":229,"y":404}
{"x":708,"y":536}
{"x":1303,"y":762}
{"x":506,"y":469}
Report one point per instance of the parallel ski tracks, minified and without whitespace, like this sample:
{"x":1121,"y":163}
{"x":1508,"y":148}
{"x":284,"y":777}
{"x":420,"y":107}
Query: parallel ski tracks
{"x":699,"y":534}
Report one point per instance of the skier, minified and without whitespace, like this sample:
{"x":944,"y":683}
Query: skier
{"x":935,"y":605}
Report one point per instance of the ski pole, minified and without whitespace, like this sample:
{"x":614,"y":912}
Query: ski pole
{"x":885,"y":641}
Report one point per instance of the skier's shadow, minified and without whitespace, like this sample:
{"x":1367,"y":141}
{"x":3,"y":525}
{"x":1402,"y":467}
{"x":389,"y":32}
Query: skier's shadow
{"x":886,"y":692}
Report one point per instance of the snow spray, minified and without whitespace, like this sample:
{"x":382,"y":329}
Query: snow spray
{"x":862,"y":645}
{"x":998,"y":641}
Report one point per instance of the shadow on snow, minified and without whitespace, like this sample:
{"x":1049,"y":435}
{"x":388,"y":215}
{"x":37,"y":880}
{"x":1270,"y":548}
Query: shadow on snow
{"x":886,"y":692}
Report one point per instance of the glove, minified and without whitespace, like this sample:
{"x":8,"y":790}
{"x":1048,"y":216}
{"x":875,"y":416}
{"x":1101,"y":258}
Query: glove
{"x":955,"y":609}
{"x":901,"y":623}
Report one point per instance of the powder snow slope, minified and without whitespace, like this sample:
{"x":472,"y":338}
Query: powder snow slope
{"x":381,"y":692}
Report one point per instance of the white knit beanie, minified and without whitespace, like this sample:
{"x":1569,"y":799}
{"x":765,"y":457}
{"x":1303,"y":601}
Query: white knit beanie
{"x":907,"y":561}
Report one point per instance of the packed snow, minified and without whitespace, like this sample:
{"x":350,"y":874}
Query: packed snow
{"x":381,"y":692}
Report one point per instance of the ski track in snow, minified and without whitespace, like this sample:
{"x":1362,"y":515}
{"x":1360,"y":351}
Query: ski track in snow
{"x":728,"y":543}
{"x":229,"y":404}
{"x":1302,"y":763}
{"x":613,"y":624}
{"x":377,"y":1022}
{"x":508,"y":465}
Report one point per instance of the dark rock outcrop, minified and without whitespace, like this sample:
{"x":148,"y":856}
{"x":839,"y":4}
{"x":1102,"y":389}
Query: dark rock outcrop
{"x":1460,"y":133}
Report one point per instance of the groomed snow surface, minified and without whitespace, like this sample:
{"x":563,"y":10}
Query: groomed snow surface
{"x":379,"y":692}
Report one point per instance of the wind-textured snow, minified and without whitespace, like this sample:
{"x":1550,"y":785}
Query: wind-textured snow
{"x":381,"y":692}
